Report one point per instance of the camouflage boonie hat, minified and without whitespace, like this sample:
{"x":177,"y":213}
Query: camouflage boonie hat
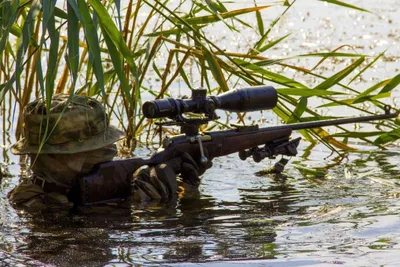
{"x":76,"y":125}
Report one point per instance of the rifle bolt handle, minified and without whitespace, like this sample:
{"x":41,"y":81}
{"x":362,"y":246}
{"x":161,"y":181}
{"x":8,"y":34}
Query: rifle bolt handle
{"x":203,"y":158}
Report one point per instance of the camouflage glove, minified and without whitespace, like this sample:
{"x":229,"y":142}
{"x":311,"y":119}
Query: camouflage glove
{"x":160,"y":182}
{"x":191,"y":169}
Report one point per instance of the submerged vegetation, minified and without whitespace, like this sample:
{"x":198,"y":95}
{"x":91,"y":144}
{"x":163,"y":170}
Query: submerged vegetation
{"x":123,"y":54}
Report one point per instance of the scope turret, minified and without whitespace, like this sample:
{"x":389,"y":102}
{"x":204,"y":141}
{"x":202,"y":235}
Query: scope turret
{"x":241,"y":100}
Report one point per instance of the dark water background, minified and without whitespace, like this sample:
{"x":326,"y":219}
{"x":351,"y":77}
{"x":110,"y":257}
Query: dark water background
{"x":347,"y":213}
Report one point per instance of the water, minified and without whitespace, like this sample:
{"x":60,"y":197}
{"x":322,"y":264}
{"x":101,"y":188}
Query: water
{"x":347,"y":214}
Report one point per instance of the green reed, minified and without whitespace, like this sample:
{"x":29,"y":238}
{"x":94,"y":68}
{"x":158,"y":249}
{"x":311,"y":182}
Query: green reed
{"x":104,"y":50}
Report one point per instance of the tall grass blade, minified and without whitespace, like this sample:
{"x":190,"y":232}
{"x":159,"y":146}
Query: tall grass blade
{"x":73,"y":43}
{"x":356,"y":100}
{"x":278,"y":110}
{"x":9,"y":12}
{"x":266,"y":62}
{"x":357,"y":134}
{"x":39,"y":73}
{"x":27,"y":31}
{"x":306,"y":92}
{"x":93,"y":43}
{"x":324,"y":135}
{"x":118,"y":64}
{"x":271,"y":76}
{"x":260,"y":23}
{"x":95,"y":88}
{"x":115,"y":36}
{"x":215,"y":8}
{"x":273,"y":43}
{"x":74,"y":6}
{"x":391,"y":85}
{"x":49,"y":24}
{"x":59,"y":13}
{"x":299,"y":110}
{"x":373,"y":88}
{"x":335,"y":79}
{"x":216,"y":70}
{"x":340,"y":3}
{"x":167,"y":33}
{"x":367,"y":67}
{"x":16,"y":30}
{"x":330,"y":54}
{"x":118,"y":6}
{"x":263,"y":38}
{"x":327,"y":56}
{"x":388,"y":137}
{"x":230,"y":14}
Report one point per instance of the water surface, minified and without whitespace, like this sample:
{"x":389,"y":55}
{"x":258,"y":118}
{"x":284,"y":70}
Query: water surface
{"x":345,"y":213}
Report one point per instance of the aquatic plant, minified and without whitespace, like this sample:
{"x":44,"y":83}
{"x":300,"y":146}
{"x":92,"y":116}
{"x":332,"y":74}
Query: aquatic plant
{"x":123,"y":54}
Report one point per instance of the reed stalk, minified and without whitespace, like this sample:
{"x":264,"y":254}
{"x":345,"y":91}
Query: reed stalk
{"x":122,"y":56}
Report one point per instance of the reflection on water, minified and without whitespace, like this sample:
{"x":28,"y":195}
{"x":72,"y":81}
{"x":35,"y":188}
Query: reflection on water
{"x":349,"y":216}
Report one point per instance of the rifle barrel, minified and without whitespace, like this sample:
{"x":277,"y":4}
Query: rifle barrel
{"x":315,"y":124}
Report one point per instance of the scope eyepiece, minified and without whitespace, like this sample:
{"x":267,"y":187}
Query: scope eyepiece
{"x":242,"y":100}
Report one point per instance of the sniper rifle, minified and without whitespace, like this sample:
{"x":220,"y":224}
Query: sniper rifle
{"x":249,"y":141}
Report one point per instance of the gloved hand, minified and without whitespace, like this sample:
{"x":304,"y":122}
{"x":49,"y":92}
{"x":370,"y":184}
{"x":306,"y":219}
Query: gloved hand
{"x":160,"y":182}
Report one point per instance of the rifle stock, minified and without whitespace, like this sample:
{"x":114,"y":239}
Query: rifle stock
{"x":108,"y":181}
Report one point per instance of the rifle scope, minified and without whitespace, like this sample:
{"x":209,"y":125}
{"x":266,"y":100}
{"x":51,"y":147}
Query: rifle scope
{"x":242,"y":100}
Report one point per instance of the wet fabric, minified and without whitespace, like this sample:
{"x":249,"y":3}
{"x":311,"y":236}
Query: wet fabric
{"x":33,"y":197}
{"x":59,"y":169}
{"x":62,"y":169}
{"x":164,"y":182}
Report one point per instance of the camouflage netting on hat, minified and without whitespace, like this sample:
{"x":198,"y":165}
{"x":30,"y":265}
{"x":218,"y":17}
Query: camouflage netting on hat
{"x":74,"y":124}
